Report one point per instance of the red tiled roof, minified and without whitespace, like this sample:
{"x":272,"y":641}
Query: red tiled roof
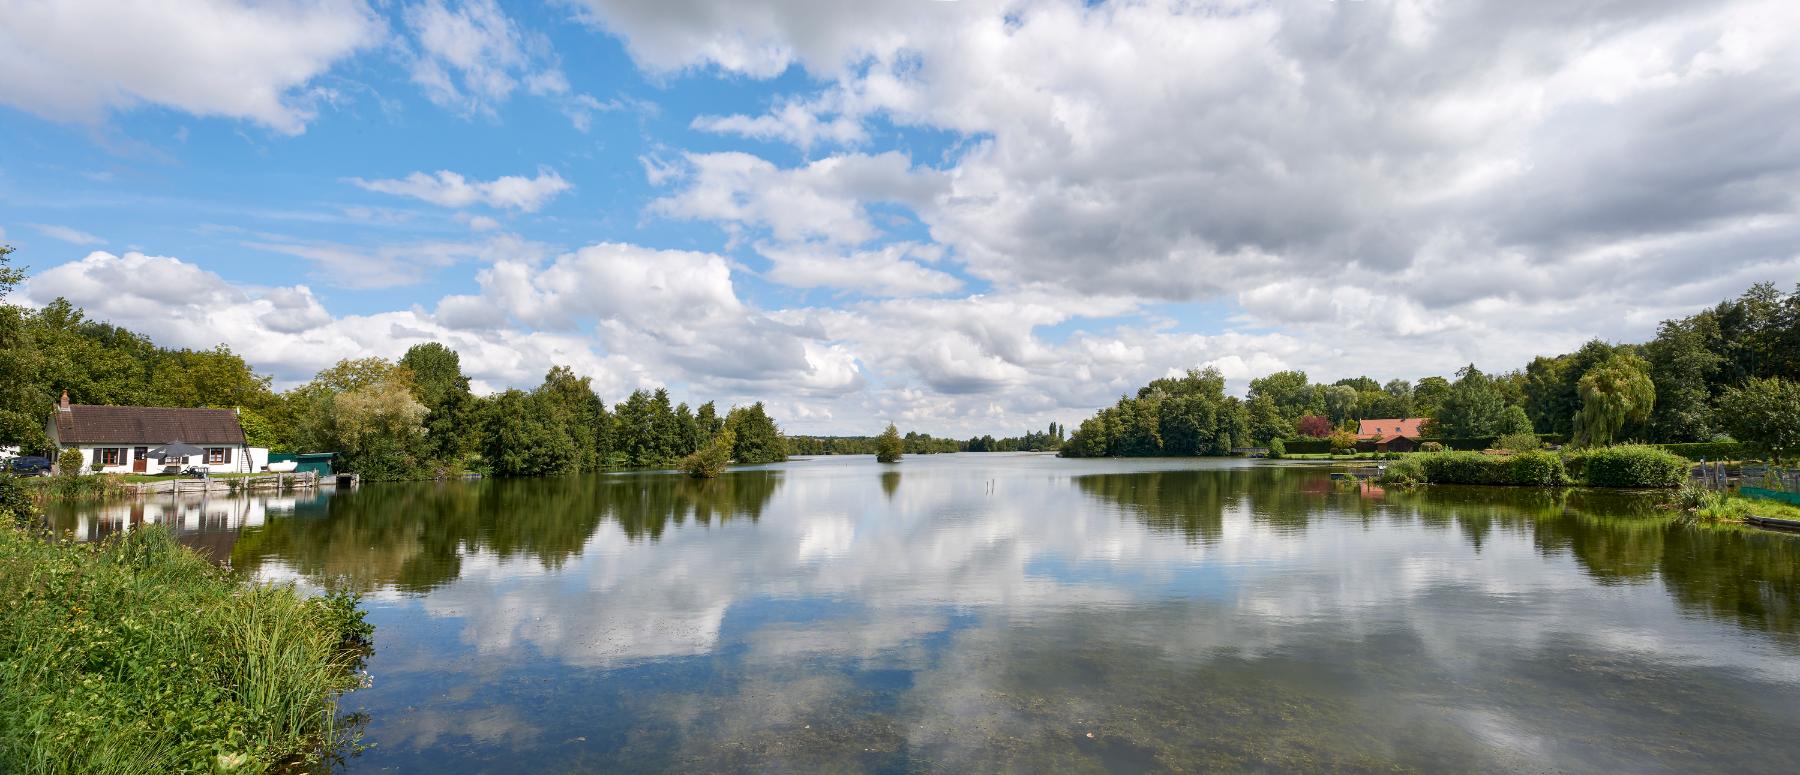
{"x":146,"y":425}
{"x":1410,"y":427}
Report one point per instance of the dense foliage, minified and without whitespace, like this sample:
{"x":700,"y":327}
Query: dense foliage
{"x":710,"y":461}
{"x":1188,"y":415}
{"x":888,"y":447}
{"x":1731,"y":369}
{"x":1764,"y":413}
{"x":137,"y":655}
{"x":1629,"y":465}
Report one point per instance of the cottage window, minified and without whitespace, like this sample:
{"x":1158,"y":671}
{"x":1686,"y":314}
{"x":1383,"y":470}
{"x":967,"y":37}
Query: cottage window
{"x":112,"y":456}
{"x":218,"y":456}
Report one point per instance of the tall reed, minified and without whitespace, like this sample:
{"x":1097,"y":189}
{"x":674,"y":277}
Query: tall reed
{"x":137,"y":655}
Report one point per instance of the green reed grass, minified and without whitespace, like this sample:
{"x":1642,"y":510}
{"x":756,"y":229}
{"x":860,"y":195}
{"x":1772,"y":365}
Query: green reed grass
{"x":136,"y":655}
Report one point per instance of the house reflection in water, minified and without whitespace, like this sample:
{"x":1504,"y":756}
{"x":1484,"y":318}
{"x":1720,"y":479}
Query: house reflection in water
{"x":210,"y":524}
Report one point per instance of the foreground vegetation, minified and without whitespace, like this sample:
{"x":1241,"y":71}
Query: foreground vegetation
{"x":137,"y":655}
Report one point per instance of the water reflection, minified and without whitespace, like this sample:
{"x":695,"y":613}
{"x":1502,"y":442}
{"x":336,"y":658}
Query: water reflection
{"x":996,"y":610}
{"x":416,"y":537}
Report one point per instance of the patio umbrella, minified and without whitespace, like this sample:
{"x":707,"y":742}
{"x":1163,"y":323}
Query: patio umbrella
{"x":175,"y":449}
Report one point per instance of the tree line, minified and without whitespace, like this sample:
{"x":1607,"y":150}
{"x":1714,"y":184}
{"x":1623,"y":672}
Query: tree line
{"x":915,"y":443}
{"x":1731,"y":371}
{"x":406,"y":419}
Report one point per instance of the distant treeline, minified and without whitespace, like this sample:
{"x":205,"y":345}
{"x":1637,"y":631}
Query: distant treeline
{"x":1729,"y":372}
{"x":915,"y":443}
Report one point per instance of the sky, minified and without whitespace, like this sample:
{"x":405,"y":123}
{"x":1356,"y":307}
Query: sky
{"x":961,"y":217}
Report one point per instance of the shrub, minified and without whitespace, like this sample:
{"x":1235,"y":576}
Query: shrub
{"x":1709,"y":450}
{"x":1466,"y":443}
{"x":1694,"y":498}
{"x":138,"y":655}
{"x":1305,"y":447}
{"x":710,"y":461}
{"x":1342,"y":441}
{"x":1518,"y":442}
{"x":69,"y":462}
{"x":1405,"y":472}
{"x":1530,"y":469}
{"x":1431,"y":446}
{"x":1276,"y":449}
{"x":1630,"y":465}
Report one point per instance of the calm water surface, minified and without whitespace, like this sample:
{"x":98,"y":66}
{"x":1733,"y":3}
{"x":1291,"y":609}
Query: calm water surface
{"x":1020,"y":613}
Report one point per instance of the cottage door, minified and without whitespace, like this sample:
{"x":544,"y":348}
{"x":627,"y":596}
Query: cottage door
{"x":140,"y":459}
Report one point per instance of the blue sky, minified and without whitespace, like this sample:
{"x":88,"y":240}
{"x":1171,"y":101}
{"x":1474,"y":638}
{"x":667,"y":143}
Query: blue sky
{"x":961,"y":216}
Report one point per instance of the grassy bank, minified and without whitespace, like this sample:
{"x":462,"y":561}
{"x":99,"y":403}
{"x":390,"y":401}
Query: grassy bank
{"x":84,"y":487}
{"x":1732,"y":508}
{"x":137,"y":655}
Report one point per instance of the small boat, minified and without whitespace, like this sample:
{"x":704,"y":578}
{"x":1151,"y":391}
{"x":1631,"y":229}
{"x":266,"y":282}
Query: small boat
{"x":1773,"y":522}
{"x":283,"y":467}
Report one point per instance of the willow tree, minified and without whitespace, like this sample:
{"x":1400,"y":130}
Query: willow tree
{"x":1616,"y":392}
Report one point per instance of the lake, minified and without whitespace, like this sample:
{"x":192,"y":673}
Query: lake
{"x":1022,"y":613}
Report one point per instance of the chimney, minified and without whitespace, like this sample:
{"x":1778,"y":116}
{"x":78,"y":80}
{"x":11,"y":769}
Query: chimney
{"x":63,"y":406}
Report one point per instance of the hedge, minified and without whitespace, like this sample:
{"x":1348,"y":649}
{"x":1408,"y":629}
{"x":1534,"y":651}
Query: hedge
{"x":1528,"y":469}
{"x":1629,"y":465}
{"x":1709,"y":450}
{"x":1307,"y":446}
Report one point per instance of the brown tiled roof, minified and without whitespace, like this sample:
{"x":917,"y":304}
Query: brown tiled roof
{"x":146,"y":425}
{"x":1410,"y":427}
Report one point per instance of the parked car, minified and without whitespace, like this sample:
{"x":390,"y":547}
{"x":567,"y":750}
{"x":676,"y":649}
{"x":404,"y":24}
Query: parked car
{"x":29,"y":466}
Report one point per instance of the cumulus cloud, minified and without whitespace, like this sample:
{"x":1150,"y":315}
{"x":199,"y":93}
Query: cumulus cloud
{"x":677,"y":310}
{"x":1388,"y":188}
{"x":77,"y":60}
{"x":1458,"y":181}
{"x":287,"y":332}
{"x":827,"y":199}
{"x":449,"y":189}
{"x":889,"y":271}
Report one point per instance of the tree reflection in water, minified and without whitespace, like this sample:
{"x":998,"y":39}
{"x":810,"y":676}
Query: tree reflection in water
{"x":414,"y":536}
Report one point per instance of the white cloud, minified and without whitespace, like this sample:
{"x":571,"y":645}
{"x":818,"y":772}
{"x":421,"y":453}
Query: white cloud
{"x":800,"y":123}
{"x":481,"y":223}
{"x":883,"y":272}
{"x":1453,"y":181}
{"x":66,"y":234}
{"x":394,"y":265}
{"x":76,"y":60}
{"x":288,"y":333}
{"x":470,"y":57}
{"x":450,"y":189}
{"x":825,"y":199}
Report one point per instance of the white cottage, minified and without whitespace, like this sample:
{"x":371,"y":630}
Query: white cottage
{"x":120,"y":438}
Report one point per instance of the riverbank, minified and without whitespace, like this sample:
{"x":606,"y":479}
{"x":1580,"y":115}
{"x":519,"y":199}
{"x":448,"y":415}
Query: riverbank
{"x":103,"y":487}
{"x":136,"y":655}
{"x":1733,"y":508}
